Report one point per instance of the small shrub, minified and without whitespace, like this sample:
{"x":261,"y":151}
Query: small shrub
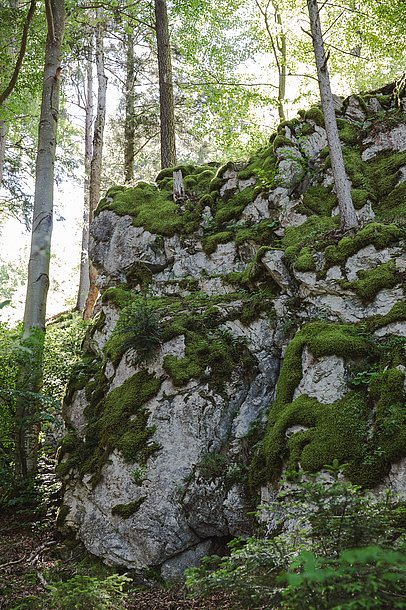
{"x":87,"y":592}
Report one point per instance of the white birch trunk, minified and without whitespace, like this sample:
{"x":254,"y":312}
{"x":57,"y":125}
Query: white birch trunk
{"x":30,"y":377}
{"x":342,"y":184}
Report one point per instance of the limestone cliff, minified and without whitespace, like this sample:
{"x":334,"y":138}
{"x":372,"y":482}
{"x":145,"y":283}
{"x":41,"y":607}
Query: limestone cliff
{"x":240,"y":335}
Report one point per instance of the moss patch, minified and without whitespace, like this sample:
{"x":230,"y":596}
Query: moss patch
{"x":355,"y":430}
{"x":116,"y":421}
{"x":372,"y":281}
{"x":125,"y":511}
{"x":377,"y":234}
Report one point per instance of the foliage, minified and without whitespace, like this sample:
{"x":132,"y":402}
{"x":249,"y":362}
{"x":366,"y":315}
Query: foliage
{"x":89,"y":592}
{"x":138,"y":328}
{"x":313,"y":527}
{"x":61,"y":352}
{"x":369,"y":577}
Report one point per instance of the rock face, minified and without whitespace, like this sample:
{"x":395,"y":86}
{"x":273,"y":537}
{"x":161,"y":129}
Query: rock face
{"x":240,"y":335}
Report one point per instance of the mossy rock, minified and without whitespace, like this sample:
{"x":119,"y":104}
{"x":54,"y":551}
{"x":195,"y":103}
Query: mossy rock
{"x":377,"y":234}
{"x":342,"y":430}
{"x":371,"y":282}
{"x":315,"y":114}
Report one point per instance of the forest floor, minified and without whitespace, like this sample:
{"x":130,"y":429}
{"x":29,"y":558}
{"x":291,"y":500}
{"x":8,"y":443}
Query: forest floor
{"x":32,"y":554}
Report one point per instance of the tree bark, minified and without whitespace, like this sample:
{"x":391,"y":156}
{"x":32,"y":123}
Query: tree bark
{"x":281,"y":44}
{"x":129,"y":127}
{"x":97,"y":156}
{"x":166,"y":98}
{"x":342,"y":184}
{"x":30,"y":376}
{"x":84,"y":280}
{"x":3,"y":137}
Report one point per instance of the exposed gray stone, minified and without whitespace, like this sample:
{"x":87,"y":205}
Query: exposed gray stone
{"x":273,"y":260}
{"x":322,"y":378}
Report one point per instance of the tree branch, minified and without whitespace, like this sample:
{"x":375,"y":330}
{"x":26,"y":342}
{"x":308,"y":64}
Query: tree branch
{"x":13,"y":80}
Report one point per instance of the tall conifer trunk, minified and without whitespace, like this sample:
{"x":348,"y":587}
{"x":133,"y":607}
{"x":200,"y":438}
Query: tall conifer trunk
{"x":342,"y":184}
{"x":166,"y":98}
{"x":84,"y":281}
{"x":30,"y":377}
{"x":97,"y":155}
{"x":129,"y":127}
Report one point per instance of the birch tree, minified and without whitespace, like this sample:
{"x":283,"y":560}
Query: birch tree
{"x":342,"y":184}
{"x":30,"y":376}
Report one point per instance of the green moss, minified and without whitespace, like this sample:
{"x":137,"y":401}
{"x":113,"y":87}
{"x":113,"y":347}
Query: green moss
{"x":168,"y":171}
{"x":393,"y":206}
{"x":118,"y":420}
{"x":372,"y":281}
{"x":291,"y":124}
{"x":383,"y":171}
{"x":396,"y":314}
{"x":281,"y":141}
{"x":210,"y":242}
{"x":348,"y":132}
{"x":139,"y":274}
{"x":310,"y":232}
{"x":341,"y":430}
{"x":232,"y":208}
{"x":216,"y":353}
{"x":355,"y":167}
{"x":125,"y":511}
{"x":380,"y":235}
{"x":318,"y":200}
{"x":315,"y":114}
{"x":305,"y":261}
{"x":118,"y":296}
{"x":360,"y":197}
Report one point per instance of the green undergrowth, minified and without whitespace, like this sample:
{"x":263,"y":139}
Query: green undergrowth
{"x":365,"y":429}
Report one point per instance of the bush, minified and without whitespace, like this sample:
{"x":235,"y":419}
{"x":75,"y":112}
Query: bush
{"x":88,"y":592}
{"x":326,"y":544}
{"x":138,"y":328}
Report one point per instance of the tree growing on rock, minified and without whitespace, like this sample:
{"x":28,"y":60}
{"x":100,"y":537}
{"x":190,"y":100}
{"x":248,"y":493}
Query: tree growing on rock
{"x":342,"y":184}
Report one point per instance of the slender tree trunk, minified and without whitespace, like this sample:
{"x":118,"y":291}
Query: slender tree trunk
{"x":97,"y":157}
{"x":281,"y":44}
{"x":129,"y":127}
{"x":30,"y":377}
{"x":166,"y":98}
{"x":3,"y":137}
{"x":84,"y":281}
{"x":342,"y":184}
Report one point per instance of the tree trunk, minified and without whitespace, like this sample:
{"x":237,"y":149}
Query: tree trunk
{"x":281,"y":44}
{"x":166,"y":99}
{"x":342,"y":184}
{"x":30,"y":377}
{"x":129,"y":127}
{"x":84,"y":280}
{"x":97,"y":157}
{"x":3,"y":137}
